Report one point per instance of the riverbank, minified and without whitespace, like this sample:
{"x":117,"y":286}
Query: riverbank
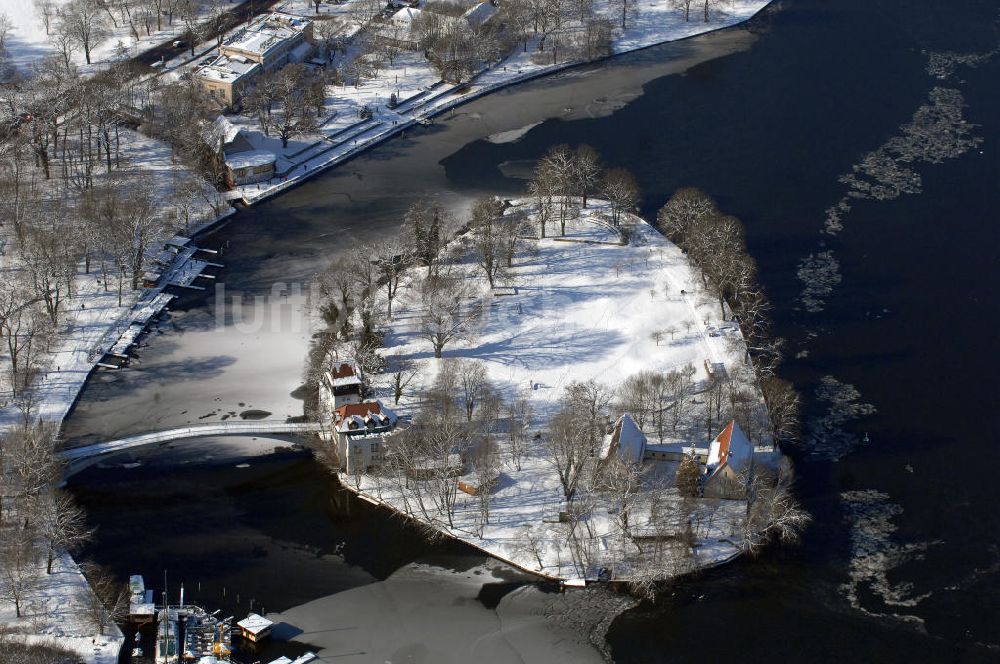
{"x":576,"y":308}
{"x":657,"y":23}
{"x":59,"y":612}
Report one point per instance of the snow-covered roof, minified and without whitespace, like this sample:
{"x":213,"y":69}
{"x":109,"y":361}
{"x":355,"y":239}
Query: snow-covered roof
{"x":225,"y":130}
{"x":227,"y":69}
{"x":406,"y":16}
{"x":343,"y":375}
{"x":626,"y":438}
{"x":362,"y":417}
{"x":254,"y":623}
{"x":301,"y":659}
{"x":479,"y":14}
{"x":266,"y":32}
{"x":250,"y":158}
{"x":731,"y":447}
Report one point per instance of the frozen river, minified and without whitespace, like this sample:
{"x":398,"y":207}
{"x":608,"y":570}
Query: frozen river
{"x":902,"y":562}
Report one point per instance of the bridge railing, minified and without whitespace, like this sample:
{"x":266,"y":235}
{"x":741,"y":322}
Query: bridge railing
{"x":216,"y":428}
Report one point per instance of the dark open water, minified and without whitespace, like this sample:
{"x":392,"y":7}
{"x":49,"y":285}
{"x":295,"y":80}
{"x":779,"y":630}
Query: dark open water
{"x":902,"y":562}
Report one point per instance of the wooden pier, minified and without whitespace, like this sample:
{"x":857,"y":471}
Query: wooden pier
{"x":175,"y":266}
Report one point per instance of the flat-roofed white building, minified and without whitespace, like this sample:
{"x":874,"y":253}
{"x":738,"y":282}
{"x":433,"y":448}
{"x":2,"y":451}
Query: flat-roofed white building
{"x":269,"y":42}
{"x":224,"y":77}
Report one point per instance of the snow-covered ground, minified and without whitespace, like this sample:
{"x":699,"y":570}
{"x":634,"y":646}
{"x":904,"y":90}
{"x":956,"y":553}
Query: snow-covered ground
{"x":56,"y":614}
{"x":657,"y":22}
{"x":28,"y":41}
{"x":583,"y":307}
{"x":92,"y":315}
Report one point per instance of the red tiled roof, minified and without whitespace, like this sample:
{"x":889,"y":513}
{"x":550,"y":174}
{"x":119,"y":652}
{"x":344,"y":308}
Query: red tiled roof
{"x":359,"y":409}
{"x":724,"y":439}
{"x":343,"y":371}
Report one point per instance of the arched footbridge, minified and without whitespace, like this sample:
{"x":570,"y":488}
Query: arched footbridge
{"x":78,"y":458}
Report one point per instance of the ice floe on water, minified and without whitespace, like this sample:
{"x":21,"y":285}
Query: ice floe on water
{"x":513,"y":135}
{"x":936,"y":132}
{"x":875,"y":552}
{"x":942,"y":65}
{"x":819,"y":273}
{"x":842,"y":403}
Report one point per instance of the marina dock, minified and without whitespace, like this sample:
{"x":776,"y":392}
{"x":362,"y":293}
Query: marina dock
{"x":175,"y":265}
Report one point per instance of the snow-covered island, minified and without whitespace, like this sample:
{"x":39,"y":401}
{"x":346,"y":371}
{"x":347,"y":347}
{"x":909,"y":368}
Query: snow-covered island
{"x":591,"y":415}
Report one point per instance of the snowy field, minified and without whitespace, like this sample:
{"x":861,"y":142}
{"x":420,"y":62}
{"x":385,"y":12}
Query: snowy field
{"x":56,"y":614}
{"x":583,"y":307}
{"x":28,"y":42}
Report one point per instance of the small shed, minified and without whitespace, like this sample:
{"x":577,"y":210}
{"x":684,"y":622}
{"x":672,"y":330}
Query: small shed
{"x":250,"y":166}
{"x":255,"y":628}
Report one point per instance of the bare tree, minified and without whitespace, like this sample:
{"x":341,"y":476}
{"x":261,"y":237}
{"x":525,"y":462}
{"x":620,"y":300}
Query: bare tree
{"x":46,"y":11}
{"x":519,"y":415}
{"x":557,"y":170}
{"x":50,"y":259}
{"x":448,"y":312}
{"x":707,"y":6}
{"x":685,"y":6}
{"x":109,"y":601}
{"x":514,"y":226}
{"x":402,"y":372}
{"x":138,"y":226}
{"x":486,"y":467}
{"x":390,"y":258}
{"x":329,"y":33}
{"x":487,"y":237}
{"x":542,"y":188}
{"x":782,"y":408}
{"x":61,"y":524}
{"x":530,"y":544}
{"x":625,"y":9}
{"x":21,"y":324}
{"x":17,"y":566}
{"x":586,"y":170}
{"x":623,"y":482}
{"x":31,"y":457}
{"x":291,"y":93}
{"x":678,"y":390}
{"x":473,"y":382}
{"x":597,"y":37}
{"x":622,"y":191}
{"x":773,"y":513}
{"x":635,"y":396}
{"x":444,"y":440}
{"x":679,"y":216}
{"x":83,"y":22}
{"x":568,"y":447}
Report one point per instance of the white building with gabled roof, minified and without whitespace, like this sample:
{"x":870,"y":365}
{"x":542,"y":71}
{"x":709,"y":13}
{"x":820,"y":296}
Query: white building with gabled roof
{"x":625,"y":439}
{"x":478,"y":15}
{"x":730,"y":455}
{"x":360,"y":430}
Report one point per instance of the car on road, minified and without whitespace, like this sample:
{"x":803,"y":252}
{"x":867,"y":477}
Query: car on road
{"x":179,"y":43}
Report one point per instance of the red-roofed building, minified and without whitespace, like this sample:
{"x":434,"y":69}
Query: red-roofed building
{"x":729,"y":456}
{"x":340,"y":385}
{"x":360,"y":430}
